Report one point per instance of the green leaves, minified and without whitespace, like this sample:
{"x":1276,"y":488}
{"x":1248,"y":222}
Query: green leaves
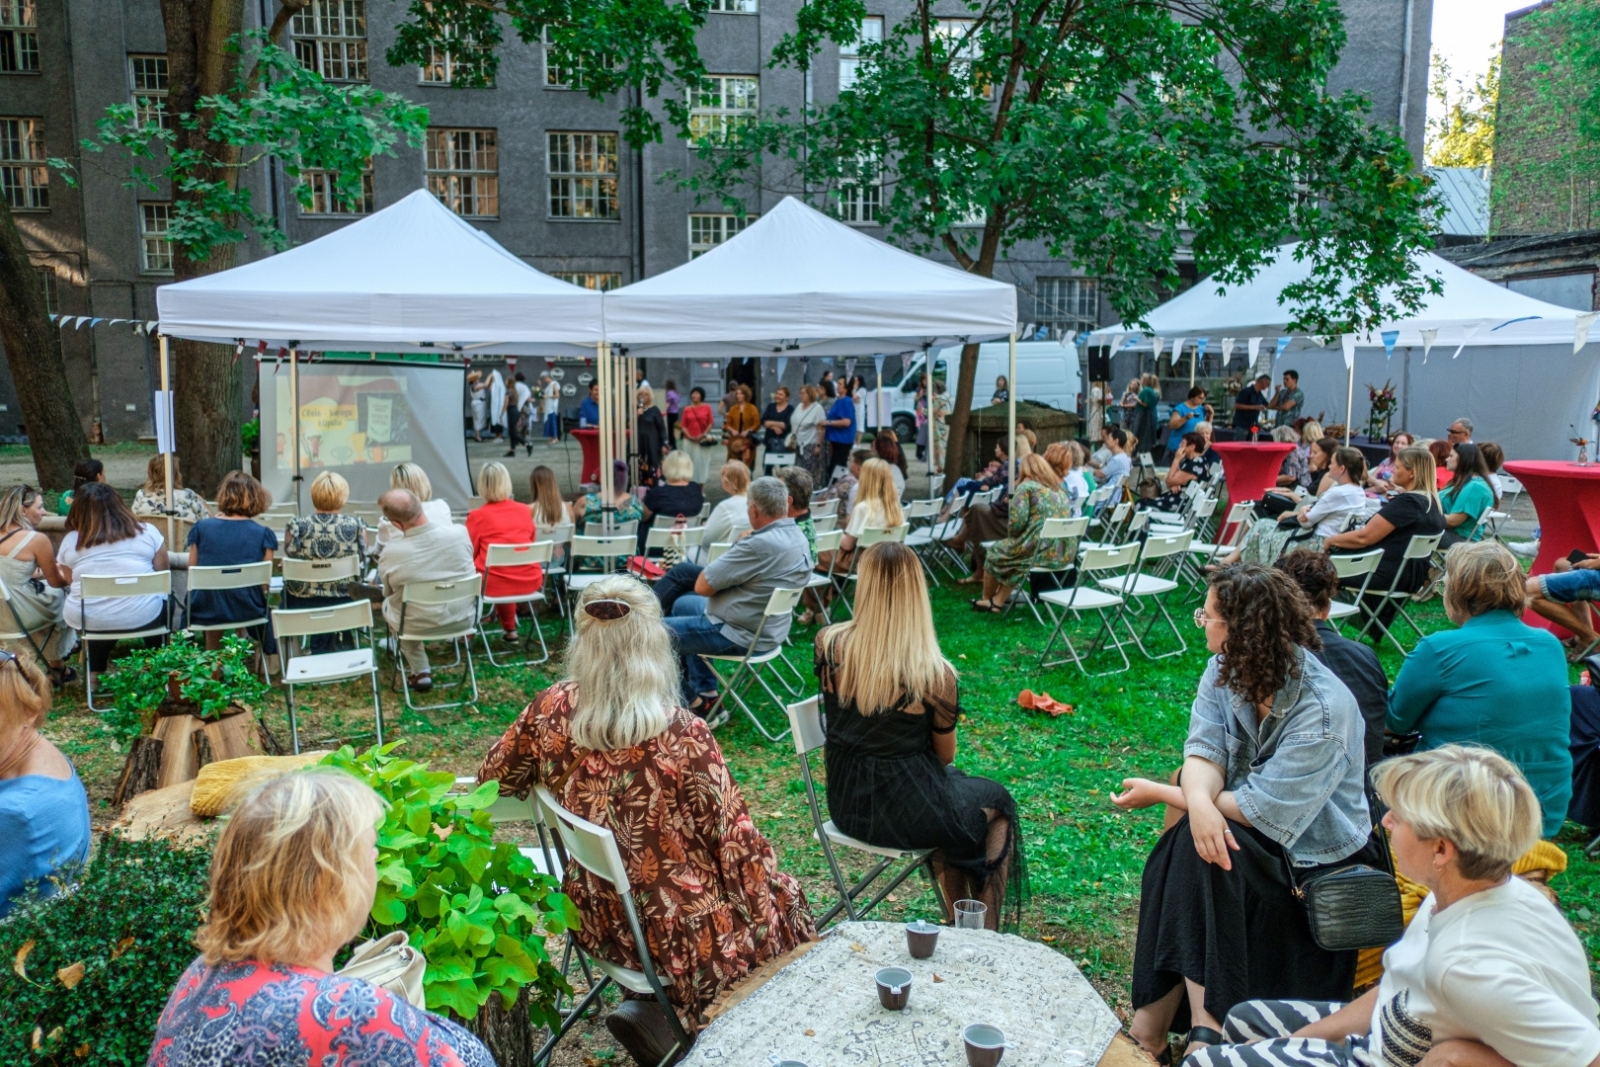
{"x":475,"y":907}
{"x":213,"y":680}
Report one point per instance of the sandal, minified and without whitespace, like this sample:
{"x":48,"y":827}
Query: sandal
{"x":1043,"y":702}
{"x":62,"y":675}
{"x":1203,"y":1036}
{"x":969,"y":579}
{"x":985,"y":609}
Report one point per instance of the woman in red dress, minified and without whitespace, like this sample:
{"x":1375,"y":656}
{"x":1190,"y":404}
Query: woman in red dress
{"x":502,"y":521}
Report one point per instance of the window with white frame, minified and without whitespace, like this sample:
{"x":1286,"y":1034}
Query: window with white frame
{"x":602,"y":280}
{"x":24,"y":178}
{"x":734,"y":7}
{"x":442,"y":63}
{"x":722,"y":103}
{"x":583,"y":175}
{"x":325,"y":194}
{"x":330,"y":37}
{"x":19,"y":37}
{"x":708,"y":231}
{"x":463,"y":171}
{"x":850,"y":54}
{"x":960,"y":40}
{"x":147,"y":83}
{"x":557,"y":76}
{"x":47,"y":286}
{"x":860,"y":195}
{"x":155,"y":248}
{"x":1067,"y":306}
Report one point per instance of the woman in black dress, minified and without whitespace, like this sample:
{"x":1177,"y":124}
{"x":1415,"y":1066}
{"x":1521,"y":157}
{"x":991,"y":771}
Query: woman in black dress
{"x":653,"y":440}
{"x":676,"y":500}
{"x":775,"y":422}
{"x":1412,"y":511}
{"x":892,"y":709}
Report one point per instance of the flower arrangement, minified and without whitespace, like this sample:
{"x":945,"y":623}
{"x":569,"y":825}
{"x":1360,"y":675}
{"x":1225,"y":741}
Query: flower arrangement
{"x":1582,"y":443}
{"x":1382,"y":401}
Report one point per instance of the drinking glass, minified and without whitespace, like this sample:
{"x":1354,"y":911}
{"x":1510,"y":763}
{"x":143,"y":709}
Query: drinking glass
{"x":970,"y":914}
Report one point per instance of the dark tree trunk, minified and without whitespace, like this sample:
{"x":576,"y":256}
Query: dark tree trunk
{"x":33,"y":350}
{"x":509,"y":1035}
{"x":960,"y":415}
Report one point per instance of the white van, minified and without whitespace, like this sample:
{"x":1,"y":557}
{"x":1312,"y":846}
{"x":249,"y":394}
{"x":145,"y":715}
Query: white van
{"x":1047,"y":373}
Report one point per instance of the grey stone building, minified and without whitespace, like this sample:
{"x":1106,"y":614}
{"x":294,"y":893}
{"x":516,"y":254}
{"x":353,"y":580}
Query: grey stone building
{"x":540,"y":167}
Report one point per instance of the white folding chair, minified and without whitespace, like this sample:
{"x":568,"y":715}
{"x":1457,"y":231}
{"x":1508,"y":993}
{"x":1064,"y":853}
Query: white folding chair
{"x":338,"y":569}
{"x":747,"y":667}
{"x":325,"y":668}
{"x":560,"y":539}
{"x":516,"y":559}
{"x":1421,"y":547}
{"x":869,"y":536}
{"x":1362,"y":565}
{"x":1125,"y":531}
{"x":829,"y":506}
{"x":594,"y":848}
{"x":439,"y":594}
{"x":221,"y":579}
{"x":825,"y":524}
{"x":805,"y":721}
{"x":116,"y":587}
{"x":921,"y":517}
{"x":1052,"y":530}
{"x":1238,"y":521}
{"x":1138,"y":585}
{"x":778,"y":459}
{"x":598,"y":529}
{"x":827,"y":541}
{"x":607,"y":550}
{"x":1092,"y":563}
{"x":19,"y":632}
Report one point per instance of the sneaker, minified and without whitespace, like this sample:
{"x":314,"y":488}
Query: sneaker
{"x":420,"y":683}
{"x":1525,"y":549}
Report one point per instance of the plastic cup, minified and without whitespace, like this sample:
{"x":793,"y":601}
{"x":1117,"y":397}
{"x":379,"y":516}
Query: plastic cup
{"x":985,"y":1044}
{"x":970,"y":914}
{"x":894,"y":987}
{"x":921,"y":938}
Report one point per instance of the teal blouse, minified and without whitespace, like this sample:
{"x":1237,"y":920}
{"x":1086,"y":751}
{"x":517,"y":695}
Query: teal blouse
{"x":1498,"y":683}
{"x":1474,"y":499}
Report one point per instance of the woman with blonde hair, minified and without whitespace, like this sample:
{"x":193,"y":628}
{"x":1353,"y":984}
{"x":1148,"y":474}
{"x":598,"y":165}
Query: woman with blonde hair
{"x":293,"y":878}
{"x":876,"y":507}
{"x":410,"y":476}
{"x":1414,"y":511}
{"x":1006,"y":563}
{"x":807,"y":428}
{"x":150,"y":502}
{"x":614,"y":744}
{"x":35,"y":585}
{"x":326,"y":534}
{"x":502,"y":521}
{"x":44,"y":811}
{"x":731,"y":514}
{"x":892,"y":708}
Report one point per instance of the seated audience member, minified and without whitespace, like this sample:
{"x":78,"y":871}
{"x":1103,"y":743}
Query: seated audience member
{"x":717,"y":610}
{"x":886,"y":446}
{"x":1317,"y":519}
{"x":997,"y":475}
{"x":1584,"y":808}
{"x":1494,"y":457}
{"x":1384,"y":472}
{"x":150,"y":502}
{"x":104,"y":539}
{"x":588,"y":511}
{"x":798,"y":482}
{"x":1440,"y":450}
{"x":1119,"y":464}
{"x":1460,"y":431}
{"x":422,"y":551}
{"x":1471,"y":494}
{"x":1412,"y":512}
{"x":1007,"y":562}
{"x":1192,"y":460}
{"x":892,"y":709}
{"x":233,"y":537}
{"x":410,"y":476}
{"x":1080,"y":463}
{"x":613,"y":743}
{"x":1295,"y":470}
{"x":1574,"y":582}
{"x":728,"y":518}
{"x":675,"y":497}
{"x":324,"y":535}
{"x":843,"y":488}
{"x":1488,"y":973}
{"x":1316,"y":479}
{"x":83,"y":472}
{"x":1204,"y":429}
{"x":1272,"y":777}
{"x":38,"y":604}
{"x":1353,"y":663}
{"x":1493,"y":681}
{"x":1097,"y":459}
{"x":502,"y":521}
{"x":876,"y":507}
{"x":292,"y":882}
{"x":44,"y":811}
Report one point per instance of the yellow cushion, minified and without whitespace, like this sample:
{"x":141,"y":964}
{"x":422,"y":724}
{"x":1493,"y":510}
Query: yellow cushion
{"x":219,"y":785}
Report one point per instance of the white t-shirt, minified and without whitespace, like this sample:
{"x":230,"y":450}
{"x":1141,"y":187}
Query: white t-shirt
{"x":132,"y":555}
{"x":1335,"y":507}
{"x":437,"y":511}
{"x":867,"y":513}
{"x":1501,"y":967}
{"x":1077,"y":489}
{"x":552,"y":398}
{"x":733,"y":513}
{"x":523,"y":394}
{"x":899,"y":479}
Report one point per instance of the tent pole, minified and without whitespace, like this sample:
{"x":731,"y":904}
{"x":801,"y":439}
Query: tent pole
{"x":1349,"y":400}
{"x":602,"y":360}
{"x":166,"y":402}
{"x":630,"y":390}
{"x":1192,"y":360}
{"x":927,"y":392}
{"x":294,"y":403}
{"x":1011,"y":411}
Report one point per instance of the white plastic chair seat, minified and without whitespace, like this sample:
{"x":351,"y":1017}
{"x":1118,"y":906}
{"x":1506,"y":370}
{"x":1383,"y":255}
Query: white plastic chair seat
{"x":1206,"y":548}
{"x":583,"y":581}
{"x":1165,"y":531}
{"x":759,"y":657}
{"x":918,"y":537}
{"x":519,"y":598}
{"x":1086,"y":600}
{"x":633,"y":981}
{"x":1142,"y":585}
{"x":1340,"y":610}
{"x":839,"y":837}
{"x":818,"y":580}
{"x":328,"y":666}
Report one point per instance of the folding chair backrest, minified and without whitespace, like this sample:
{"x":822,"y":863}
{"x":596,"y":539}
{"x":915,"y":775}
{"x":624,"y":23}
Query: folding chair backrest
{"x":826,"y":507}
{"x":1140,"y":520}
{"x":715,"y":550}
{"x":1146,"y":460}
{"x":304,"y":622}
{"x":524,"y":555}
{"x":828,"y":540}
{"x":871,"y":535}
{"x":120,"y":585}
{"x":825,"y":524}
{"x":613,"y":547}
{"x":1509,"y":486}
{"x":778,"y":459}
{"x":782,"y":601}
{"x":1054,"y":528}
{"x":594,"y":847}
{"x":1108,"y":558}
{"x":560,"y":534}
{"x":1120,"y":513}
{"x":662,"y":536}
{"x":320,"y":570}
{"x":1422,"y":546}
{"x":618,"y":529}
{"x":506,"y":808}
{"x":923,"y":509}
{"x":805,"y":723}
{"x":442,"y":592}
{"x":1204,"y":507}
{"x":1358,"y":565}
{"x":1159,"y":546}
{"x":18,"y":634}
{"x":232,"y":576}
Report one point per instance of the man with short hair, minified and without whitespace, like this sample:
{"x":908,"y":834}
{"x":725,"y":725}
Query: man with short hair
{"x":589,"y":410}
{"x":519,"y":414}
{"x":1249,"y":406}
{"x":423,"y":551}
{"x":1290,"y":399}
{"x":550,"y":404}
{"x":727,"y":607}
{"x":1460,"y":432}
{"x":798,"y":481}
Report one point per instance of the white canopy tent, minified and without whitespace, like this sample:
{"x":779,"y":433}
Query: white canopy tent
{"x":1524,"y":368}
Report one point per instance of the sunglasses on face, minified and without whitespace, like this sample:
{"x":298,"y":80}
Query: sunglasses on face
{"x":607,"y":610}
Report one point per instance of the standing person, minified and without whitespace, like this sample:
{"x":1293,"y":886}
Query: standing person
{"x":807,"y":427}
{"x":1128,"y":404}
{"x":1185,"y":417}
{"x":739,"y":427}
{"x":941,"y":428}
{"x":777,"y":421}
{"x":519,"y":414}
{"x":326,"y":534}
{"x":674,"y":402}
{"x":589,"y":409}
{"x":550,"y":402}
{"x":653,"y":439}
{"x":1002,"y":391}
{"x":841,"y":432}
{"x":423,"y":551}
{"x":497,"y":402}
{"x":1249,"y":408}
{"x":827,"y":384}
{"x":699,"y":439}
{"x":502,"y":521}
{"x":233,"y":537}
{"x":858,"y":396}
{"x":1289,"y":400}
{"x":478,"y":392}
{"x":1145,"y":428}
{"x":105,"y":539}
{"x":38,"y":603}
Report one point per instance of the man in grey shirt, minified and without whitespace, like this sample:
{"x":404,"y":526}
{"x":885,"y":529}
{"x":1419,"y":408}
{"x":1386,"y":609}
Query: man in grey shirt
{"x":729,"y":599}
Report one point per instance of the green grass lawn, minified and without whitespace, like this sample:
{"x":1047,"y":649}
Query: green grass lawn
{"x":1084,"y":856}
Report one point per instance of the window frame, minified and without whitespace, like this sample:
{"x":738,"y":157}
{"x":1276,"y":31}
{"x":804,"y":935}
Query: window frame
{"x":308,"y":27}
{"x":724,"y":233}
{"x":713,"y":123}
{"x":322,"y":189}
{"x":451,"y":176}
{"x":1056,"y":313}
{"x":19,"y":37}
{"x":156,"y":98}
{"x":604,"y":280}
{"x":851,"y":60}
{"x":151,"y":241}
{"x":747,"y":7}
{"x":31,"y":171}
{"x":573,"y":177}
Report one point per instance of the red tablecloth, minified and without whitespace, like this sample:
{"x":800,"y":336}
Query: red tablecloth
{"x":589,"y":441}
{"x":1251,"y":468}
{"x":1566,"y":498}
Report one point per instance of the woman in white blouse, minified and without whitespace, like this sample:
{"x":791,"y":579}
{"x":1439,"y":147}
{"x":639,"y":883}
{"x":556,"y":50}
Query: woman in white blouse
{"x":731,"y":517}
{"x":1318,"y":519}
{"x":105,"y":539}
{"x":410,"y":476}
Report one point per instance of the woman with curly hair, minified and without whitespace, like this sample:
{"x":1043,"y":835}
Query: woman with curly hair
{"x":1271,"y":778}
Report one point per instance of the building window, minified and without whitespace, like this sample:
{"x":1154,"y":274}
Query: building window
{"x":555,"y":75}
{"x":850,"y":54}
{"x":708,"y":231}
{"x":858,"y":201}
{"x":47,"y":286}
{"x":23,"y":175}
{"x":147,"y":81}
{"x":442,"y":64}
{"x":330,"y":37}
{"x":960,"y":40}
{"x":325,"y":197}
{"x":734,"y":7}
{"x":583,"y":175}
{"x":19,"y":37}
{"x":155,"y":250}
{"x":464,"y":171}
{"x":1068,"y":306}
{"x":601,"y":280}
{"x":723,"y":103}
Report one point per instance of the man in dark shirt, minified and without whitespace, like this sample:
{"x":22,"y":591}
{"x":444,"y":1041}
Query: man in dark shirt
{"x":1249,"y":404}
{"x":1352,"y":662}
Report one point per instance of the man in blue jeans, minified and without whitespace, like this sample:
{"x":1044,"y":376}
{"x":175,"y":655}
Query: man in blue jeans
{"x":717,"y":610}
{"x":1574,"y":582}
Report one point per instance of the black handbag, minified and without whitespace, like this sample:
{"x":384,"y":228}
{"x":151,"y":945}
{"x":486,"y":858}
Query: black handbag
{"x":1352,"y":907}
{"x":1272,"y":505}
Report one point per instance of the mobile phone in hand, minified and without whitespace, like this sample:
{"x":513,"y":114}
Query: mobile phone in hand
{"x":1577,"y":556}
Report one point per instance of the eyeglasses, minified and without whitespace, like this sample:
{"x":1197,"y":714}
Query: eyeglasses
{"x":607,"y":610}
{"x":7,"y":657}
{"x":1201,"y":618}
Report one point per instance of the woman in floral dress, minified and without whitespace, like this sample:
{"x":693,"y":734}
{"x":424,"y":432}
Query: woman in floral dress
{"x":613,"y":744}
{"x":1038,"y":497}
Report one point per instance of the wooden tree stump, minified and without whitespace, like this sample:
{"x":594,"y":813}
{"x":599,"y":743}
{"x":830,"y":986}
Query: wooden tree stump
{"x":507,"y":1032}
{"x":181,"y":743}
{"x":140,"y":773}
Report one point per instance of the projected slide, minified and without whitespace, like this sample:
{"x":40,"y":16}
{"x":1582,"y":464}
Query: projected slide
{"x":347,"y":418}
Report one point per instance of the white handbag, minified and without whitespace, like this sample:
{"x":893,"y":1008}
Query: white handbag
{"x":390,"y":963}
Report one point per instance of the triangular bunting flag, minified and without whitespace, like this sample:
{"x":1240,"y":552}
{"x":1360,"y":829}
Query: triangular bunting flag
{"x":1177,"y":349}
{"x":783,"y":362}
{"x":1155,"y":348}
{"x":1428,"y":337}
{"x":1389,"y":338}
{"x":1227,"y":351}
{"x":1347,"y":341}
{"x":1580,"y":329}
{"x":1283,"y":342}
{"x":877,"y":366}
{"x":1471,"y":331}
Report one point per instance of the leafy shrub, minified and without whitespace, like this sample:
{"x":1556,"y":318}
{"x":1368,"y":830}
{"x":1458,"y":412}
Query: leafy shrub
{"x":86,"y":974}
{"x":213,"y":680}
{"x":476,"y":909}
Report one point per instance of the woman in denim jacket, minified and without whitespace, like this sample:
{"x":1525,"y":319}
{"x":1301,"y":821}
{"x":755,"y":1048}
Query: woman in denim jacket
{"x":1271,"y":777}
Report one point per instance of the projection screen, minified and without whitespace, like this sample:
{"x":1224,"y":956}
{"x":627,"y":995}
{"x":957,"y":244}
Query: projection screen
{"x":360,"y":418}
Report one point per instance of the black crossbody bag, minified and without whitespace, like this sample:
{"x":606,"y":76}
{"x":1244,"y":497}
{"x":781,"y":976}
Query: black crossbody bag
{"x":1351,"y":907}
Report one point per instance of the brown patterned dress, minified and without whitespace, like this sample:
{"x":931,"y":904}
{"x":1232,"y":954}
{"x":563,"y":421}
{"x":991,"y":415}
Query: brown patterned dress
{"x":706,"y":884}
